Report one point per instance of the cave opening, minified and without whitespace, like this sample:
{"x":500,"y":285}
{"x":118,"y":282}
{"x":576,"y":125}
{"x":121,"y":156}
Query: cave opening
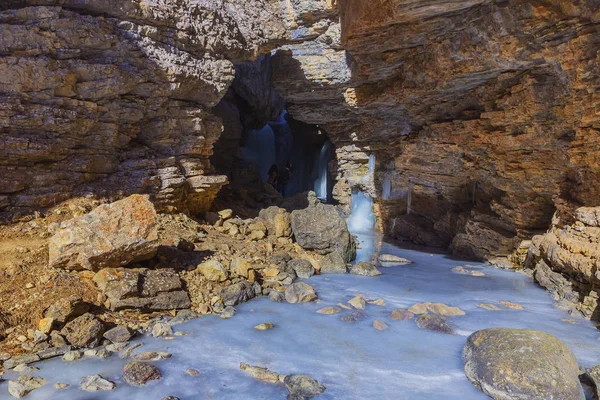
{"x":263,"y":150}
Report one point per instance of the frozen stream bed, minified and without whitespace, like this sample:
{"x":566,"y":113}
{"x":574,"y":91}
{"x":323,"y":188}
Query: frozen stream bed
{"x":353,"y":360}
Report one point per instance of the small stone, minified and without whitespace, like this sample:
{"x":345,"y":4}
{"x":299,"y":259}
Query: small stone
{"x":127,"y":351}
{"x":392,"y":259}
{"x":349,"y":318}
{"x":303,"y":385}
{"x":434,"y":322}
{"x":61,"y":386}
{"x":116,"y":347}
{"x":90,"y":353}
{"x":24,"y":385}
{"x":300,"y":292}
{"x":489,"y":307}
{"x":94,"y":383}
{"x":22,"y":338}
{"x":228,"y":312}
{"x":161,"y":329}
{"x":344,"y":306}
{"x":192,"y":372}
{"x":378,"y":302}
{"x":358,"y":302}
{"x":29,"y":286}
{"x":511,"y":305}
{"x":443,"y":309}
{"x":262,"y":374}
{"x":103,"y":353}
{"x":25,"y":369}
{"x":380,"y":325}
{"x":277,"y":296}
{"x":328,"y":310}
{"x":138,"y":373}
{"x":152,"y":356}
{"x":72,"y":355}
{"x":365,"y":269}
{"x":420,"y":308}
{"x":401,"y":315}
{"x":264,"y":326}
{"x":45,"y":325}
{"x":213,"y":270}
{"x":226,"y":214}
{"x":180,"y":333}
{"x":118,"y":334}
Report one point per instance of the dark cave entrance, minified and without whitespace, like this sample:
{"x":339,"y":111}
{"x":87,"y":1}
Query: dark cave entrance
{"x":260,"y":136}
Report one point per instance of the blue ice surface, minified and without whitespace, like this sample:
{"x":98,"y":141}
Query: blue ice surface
{"x":353,"y":360}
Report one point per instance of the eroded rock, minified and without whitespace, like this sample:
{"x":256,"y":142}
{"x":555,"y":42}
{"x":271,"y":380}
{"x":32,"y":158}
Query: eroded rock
{"x":300,"y":293}
{"x":137,"y":373}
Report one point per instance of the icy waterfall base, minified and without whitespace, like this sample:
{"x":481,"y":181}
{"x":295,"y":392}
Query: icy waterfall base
{"x":353,"y":360}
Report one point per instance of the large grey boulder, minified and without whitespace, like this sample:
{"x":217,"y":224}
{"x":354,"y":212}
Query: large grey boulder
{"x":302,"y":268}
{"x":521,"y":364}
{"x":112,"y":235}
{"x":365,"y":269}
{"x":237,"y":293}
{"x":303,"y":385}
{"x":321,"y":228}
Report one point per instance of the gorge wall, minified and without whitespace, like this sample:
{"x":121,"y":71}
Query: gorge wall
{"x":485,"y":113}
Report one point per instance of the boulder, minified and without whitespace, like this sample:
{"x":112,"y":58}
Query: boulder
{"x":303,"y":385}
{"x":84,"y":331}
{"x":365,"y":269}
{"x":300,"y":293}
{"x":94,"y":383}
{"x":302,"y":268}
{"x":511,"y":364}
{"x":137,"y":373}
{"x":434,"y":322}
{"x":112,"y":235}
{"x":321,"y":228}
{"x":237,"y":293}
{"x":24,"y":385}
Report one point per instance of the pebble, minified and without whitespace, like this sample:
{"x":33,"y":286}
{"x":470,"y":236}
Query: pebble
{"x":72,"y":355}
{"x":328,"y":310}
{"x":357,"y":302}
{"x":378,"y":302}
{"x":264,"y":326}
{"x":401,"y":315}
{"x":192,"y":372}
{"x":514,"y":306}
{"x":489,"y":307}
{"x":60,"y":386}
{"x":380,"y":325}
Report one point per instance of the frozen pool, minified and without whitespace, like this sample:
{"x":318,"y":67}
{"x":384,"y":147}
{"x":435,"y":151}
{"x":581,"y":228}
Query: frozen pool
{"x":354,"y":360}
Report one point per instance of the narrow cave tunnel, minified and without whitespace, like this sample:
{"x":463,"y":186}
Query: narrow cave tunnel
{"x":266,"y":153}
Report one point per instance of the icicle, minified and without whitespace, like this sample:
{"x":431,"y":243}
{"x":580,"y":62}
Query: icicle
{"x":386,"y":190}
{"x":409,"y":198}
{"x":361,"y":217}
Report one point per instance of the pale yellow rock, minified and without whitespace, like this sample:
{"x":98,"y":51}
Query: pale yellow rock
{"x":271,"y":272}
{"x":329,"y":310}
{"x":45,"y":325}
{"x":419,"y":308}
{"x":378,"y":302}
{"x":264,"y":326}
{"x":213,"y":271}
{"x":514,"y":306}
{"x":489,"y":307}
{"x":443,"y":309}
{"x":358,"y":302}
{"x":380,"y":325}
{"x":344,"y":306}
{"x":241,"y":266}
{"x":226,"y":214}
{"x":60,"y":386}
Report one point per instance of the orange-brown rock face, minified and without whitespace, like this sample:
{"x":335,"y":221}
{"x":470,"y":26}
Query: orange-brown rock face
{"x":114,"y":97}
{"x":484,"y":113}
